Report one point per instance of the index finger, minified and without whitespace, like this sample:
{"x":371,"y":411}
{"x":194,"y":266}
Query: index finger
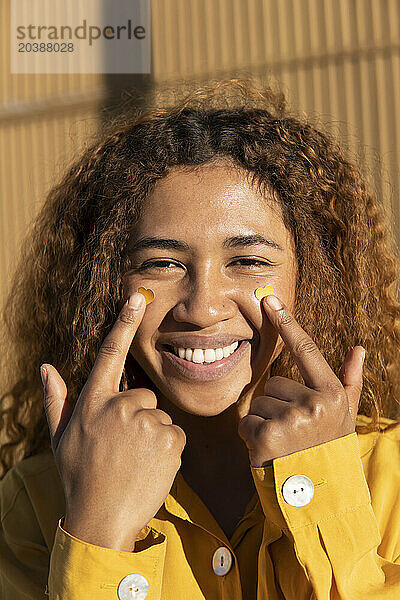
{"x":107,"y":370}
{"x":314,"y":369}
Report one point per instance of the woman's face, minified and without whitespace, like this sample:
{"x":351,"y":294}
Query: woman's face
{"x":204,"y":278}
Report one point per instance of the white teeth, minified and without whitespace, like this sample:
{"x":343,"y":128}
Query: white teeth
{"x":219,"y":353}
{"x":198,"y":355}
{"x":209,"y":355}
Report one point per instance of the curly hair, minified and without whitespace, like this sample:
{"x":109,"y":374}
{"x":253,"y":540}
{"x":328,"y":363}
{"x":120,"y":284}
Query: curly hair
{"x":66,"y":288}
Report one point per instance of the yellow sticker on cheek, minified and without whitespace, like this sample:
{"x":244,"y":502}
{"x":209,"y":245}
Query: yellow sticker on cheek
{"x":264,"y":291}
{"x":148,"y":294}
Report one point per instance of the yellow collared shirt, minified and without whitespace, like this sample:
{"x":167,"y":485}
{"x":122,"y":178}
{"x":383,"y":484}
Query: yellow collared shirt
{"x":339,"y":541}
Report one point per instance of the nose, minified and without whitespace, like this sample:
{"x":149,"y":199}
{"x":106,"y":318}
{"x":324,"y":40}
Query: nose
{"x":207,"y":300}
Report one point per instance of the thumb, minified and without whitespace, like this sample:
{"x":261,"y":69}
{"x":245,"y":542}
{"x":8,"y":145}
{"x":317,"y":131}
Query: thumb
{"x":351,"y":376}
{"x":56,"y":407}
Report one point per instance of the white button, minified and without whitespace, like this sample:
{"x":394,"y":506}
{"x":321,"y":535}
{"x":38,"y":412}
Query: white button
{"x":222,"y":561}
{"x":133,"y":586}
{"x":298,"y":490}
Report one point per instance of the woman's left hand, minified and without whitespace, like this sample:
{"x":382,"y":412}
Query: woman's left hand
{"x":292,"y":416}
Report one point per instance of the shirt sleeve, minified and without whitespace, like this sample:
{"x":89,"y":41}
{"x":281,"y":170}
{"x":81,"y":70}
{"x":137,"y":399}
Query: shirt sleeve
{"x":32,"y":568}
{"x":82,"y":571}
{"x":335,"y":535}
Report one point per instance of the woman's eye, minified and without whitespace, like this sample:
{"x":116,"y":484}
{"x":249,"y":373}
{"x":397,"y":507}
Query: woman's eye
{"x":156,"y":265}
{"x":253,"y":261}
{"x":161,"y":264}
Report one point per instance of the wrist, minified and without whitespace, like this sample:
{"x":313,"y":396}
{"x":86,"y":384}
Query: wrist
{"x":100,"y":536}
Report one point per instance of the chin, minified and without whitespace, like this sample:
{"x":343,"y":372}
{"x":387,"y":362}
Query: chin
{"x":207,"y":402}
{"x":203,"y":409}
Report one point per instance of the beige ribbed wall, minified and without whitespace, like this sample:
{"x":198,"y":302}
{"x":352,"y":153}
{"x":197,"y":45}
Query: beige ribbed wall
{"x":336,"y":58}
{"x":44,"y":120}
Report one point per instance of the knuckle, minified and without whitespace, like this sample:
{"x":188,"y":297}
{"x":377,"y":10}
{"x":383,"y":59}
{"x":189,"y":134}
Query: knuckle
{"x":110,"y":348}
{"x":146,"y":420}
{"x":305,"y":346}
{"x":319,"y":409}
{"x":149,"y":420}
{"x":337,"y":396}
{"x":178,"y":433}
{"x":264,"y":431}
{"x":285,"y":318}
{"x":312,"y":408}
{"x":144,"y":393}
{"x":123,"y":407}
{"x":49,"y":400}
{"x":127,"y":316}
{"x":162,"y":416}
{"x":170,"y":439}
{"x":254,"y":430}
{"x":286,"y":416}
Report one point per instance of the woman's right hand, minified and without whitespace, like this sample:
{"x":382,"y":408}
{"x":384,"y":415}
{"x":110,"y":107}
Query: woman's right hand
{"x":116,"y":453}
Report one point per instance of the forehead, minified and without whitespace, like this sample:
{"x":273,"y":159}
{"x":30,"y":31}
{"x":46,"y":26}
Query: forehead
{"x":212,"y":201}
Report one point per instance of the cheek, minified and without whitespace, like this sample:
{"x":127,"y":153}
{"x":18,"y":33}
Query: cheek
{"x":166,"y":296}
{"x":164,"y":290}
{"x":150,"y":322}
{"x":282,"y":289}
{"x":153,"y":317}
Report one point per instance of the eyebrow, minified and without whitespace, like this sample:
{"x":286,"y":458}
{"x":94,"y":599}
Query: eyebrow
{"x":237,"y":241}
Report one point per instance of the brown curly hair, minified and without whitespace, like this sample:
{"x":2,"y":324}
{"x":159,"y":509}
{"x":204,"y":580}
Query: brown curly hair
{"x":64,"y":294}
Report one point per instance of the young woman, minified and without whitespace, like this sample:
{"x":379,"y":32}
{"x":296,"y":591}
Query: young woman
{"x":197,"y":440}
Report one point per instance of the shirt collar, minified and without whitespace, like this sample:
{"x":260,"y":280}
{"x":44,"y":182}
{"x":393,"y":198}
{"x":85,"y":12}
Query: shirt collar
{"x":184,"y":503}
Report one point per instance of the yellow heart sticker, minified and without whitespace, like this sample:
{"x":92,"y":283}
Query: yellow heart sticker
{"x":148,"y":294}
{"x":264,"y":291}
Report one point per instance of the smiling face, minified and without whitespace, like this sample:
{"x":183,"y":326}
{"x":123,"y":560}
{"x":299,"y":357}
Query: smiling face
{"x":204,"y":286}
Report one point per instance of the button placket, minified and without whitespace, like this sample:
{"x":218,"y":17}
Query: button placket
{"x":298,"y":490}
{"x":133,"y":586}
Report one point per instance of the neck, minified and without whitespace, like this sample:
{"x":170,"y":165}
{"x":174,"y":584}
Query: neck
{"x":208,"y":438}
{"x":213,"y":445}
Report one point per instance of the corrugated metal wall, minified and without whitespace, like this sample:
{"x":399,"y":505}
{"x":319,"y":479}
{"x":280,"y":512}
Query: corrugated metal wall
{"x":336,"y":58}
{"x":44,"y":120}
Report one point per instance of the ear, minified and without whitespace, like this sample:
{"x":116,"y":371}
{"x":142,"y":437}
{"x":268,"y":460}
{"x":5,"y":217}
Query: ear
{"x":351,"y":377}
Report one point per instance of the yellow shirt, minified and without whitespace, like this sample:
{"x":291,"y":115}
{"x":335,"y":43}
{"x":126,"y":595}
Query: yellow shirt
{"x":342,"y":544}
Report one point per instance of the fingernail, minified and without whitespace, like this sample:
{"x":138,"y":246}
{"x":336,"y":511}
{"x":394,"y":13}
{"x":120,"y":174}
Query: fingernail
{"x":364,"y":353}
{"x":261,"y":292}
{"x":135,"y":301}
{"x":43,"y":375}
{"x":274,"y":302}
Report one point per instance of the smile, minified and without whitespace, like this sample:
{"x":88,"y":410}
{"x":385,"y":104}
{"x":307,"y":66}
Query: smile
{"x":208,"y":355}
{"x":204,"y":371}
